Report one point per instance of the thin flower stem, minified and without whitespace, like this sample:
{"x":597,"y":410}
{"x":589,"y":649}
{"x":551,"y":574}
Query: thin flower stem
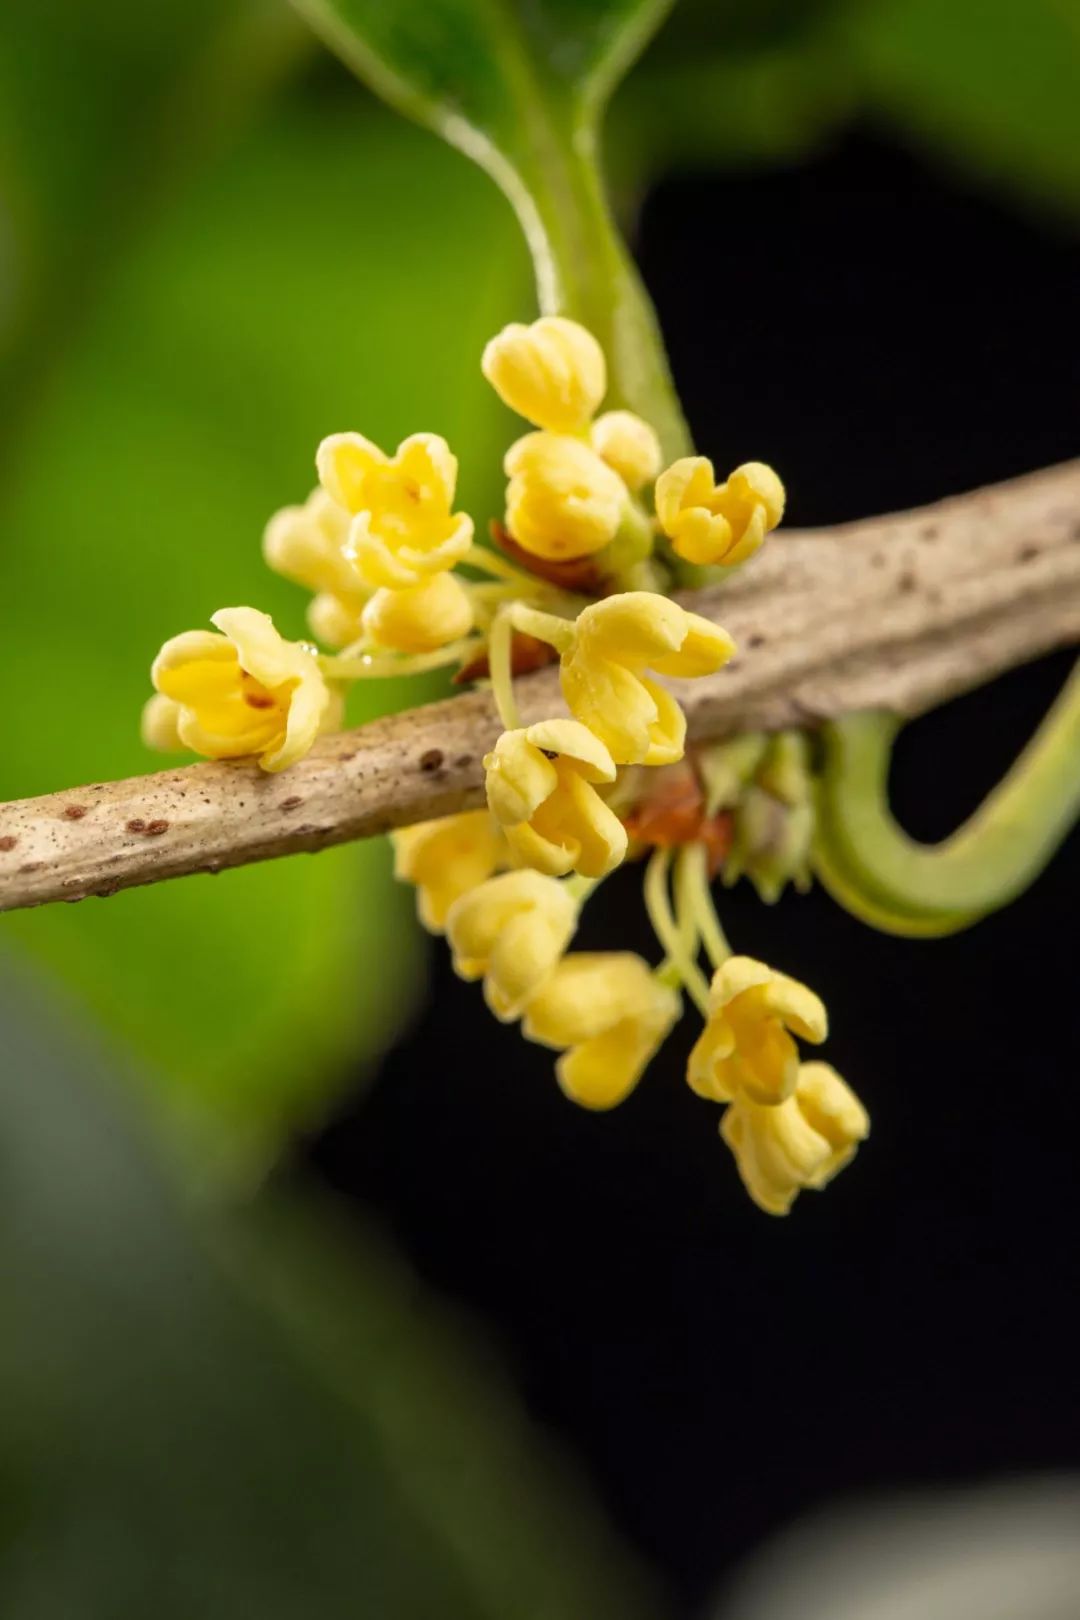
{"x":692,"y":883}
{"x":490,"y":562}
{"x":350,"y":666}
{"x":559,"y":633}
{"x":501,"y":669}
{"x":679,"y":950}
{"x":581,"y":887}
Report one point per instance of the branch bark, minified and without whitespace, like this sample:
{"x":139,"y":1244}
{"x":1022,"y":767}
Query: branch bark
{"x":896,"y":613}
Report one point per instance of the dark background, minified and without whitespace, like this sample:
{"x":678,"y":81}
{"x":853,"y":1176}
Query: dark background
{"x":717,"y":1371}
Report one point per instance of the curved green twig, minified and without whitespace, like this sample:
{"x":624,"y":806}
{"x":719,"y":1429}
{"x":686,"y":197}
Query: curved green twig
{"x":873,"y":867}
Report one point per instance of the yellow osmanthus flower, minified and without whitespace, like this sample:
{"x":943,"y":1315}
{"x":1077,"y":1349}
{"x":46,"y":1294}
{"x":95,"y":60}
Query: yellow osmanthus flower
{"x":552,"y":373}
{"x":711,"y":523}
{"x":511,"y":931}
{"x":628,"y":445}
{"x":243,"y":692}
{"x":603,"y":679}
{"x":403,"y":529}
{"x":802,"y":1142}
{"x":420,"y":617}
{"x":445,"y":859}
{"x":540,"y":788}
{"x":307,"y":545}
{"x":612,"y":1012}
{"x":747,"y":1048}
{"x":562,"y":500}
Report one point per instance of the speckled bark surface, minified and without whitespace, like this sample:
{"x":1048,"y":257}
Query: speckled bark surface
{"x":898,"y":613}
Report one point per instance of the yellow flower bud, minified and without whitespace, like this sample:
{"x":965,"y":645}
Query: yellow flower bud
{"x":403,"y":529}
{"x":551,"y":373}
{"x":802,"y":1142}
{"x":710,"y":523}
{"x":446,"y":859}
{"x":420,"y":617}
{"x":745,"y":1047}
{"x":612,"y":1012}
{"x":332,"y":622}
{"x":160,"y":720}
{"x":510,"y":932}
{"x":540,"y":789}
{"x":246,"y":691}
{"x":307,"y":544}
{"x":628,"y":445}
{"x":562,"y":501}
{"x":603,"y":678}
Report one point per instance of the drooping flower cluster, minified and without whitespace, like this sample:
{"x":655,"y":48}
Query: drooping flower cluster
{"x":591,"y":533}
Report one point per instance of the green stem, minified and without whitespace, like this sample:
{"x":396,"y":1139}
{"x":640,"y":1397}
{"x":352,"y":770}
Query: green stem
{"x":679,"y":950}
{"x":501,"y":669}
{"x":492,"y":562}
{"x":865,"y":855}
{"x":584,"y":270}
{"x":357,"y":666}
{"x":558,"y":633}
{"x":695,"y":892}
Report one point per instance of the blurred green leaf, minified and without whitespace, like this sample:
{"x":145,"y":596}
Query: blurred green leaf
{"x":291,"y":294}
{"x":508,"y":74}
{"x":520,"y":86}
{"x":104,"y":111}
{"x":992,"y":82}
{"x":169,"y":1451}
{"x":727,"y":84}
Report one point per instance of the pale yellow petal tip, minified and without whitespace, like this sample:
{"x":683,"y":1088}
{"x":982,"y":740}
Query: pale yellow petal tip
{"x":713,"y":524}
{"x":629,"y":446}
{"x":160,"y":718}
{"x":552,"y":373}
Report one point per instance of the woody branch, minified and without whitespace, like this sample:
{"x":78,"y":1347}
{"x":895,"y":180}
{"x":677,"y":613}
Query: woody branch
{"x":897,"y":613}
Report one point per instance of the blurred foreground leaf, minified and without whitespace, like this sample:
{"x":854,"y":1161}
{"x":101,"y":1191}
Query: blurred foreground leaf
{"x":167,"y":1451}
{"x":995,"y":83}
{"x":304,"y":286}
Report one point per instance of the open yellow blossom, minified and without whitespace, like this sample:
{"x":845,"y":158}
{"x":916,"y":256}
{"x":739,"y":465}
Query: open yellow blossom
{"x":552,"y":373}
{"x":603,"y":679}
{"x":802,"y":1142}
{"x":245,"y":691}
{"x":420,"y":617}
{"x":403,"y":529}
{"x":562,"y":500}
{"x":628,"y":445}
{"x":612,"y":1012}
{"x":307,"y":545}
{"x":747,"y":1046}
{"x":447,"y":858}
{"x":723,"y":524}
{"x":511,"y":931}
{"x":540,"y":789}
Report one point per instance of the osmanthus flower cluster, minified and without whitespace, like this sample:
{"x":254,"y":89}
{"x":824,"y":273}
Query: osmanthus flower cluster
{"x":583,"y":557}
